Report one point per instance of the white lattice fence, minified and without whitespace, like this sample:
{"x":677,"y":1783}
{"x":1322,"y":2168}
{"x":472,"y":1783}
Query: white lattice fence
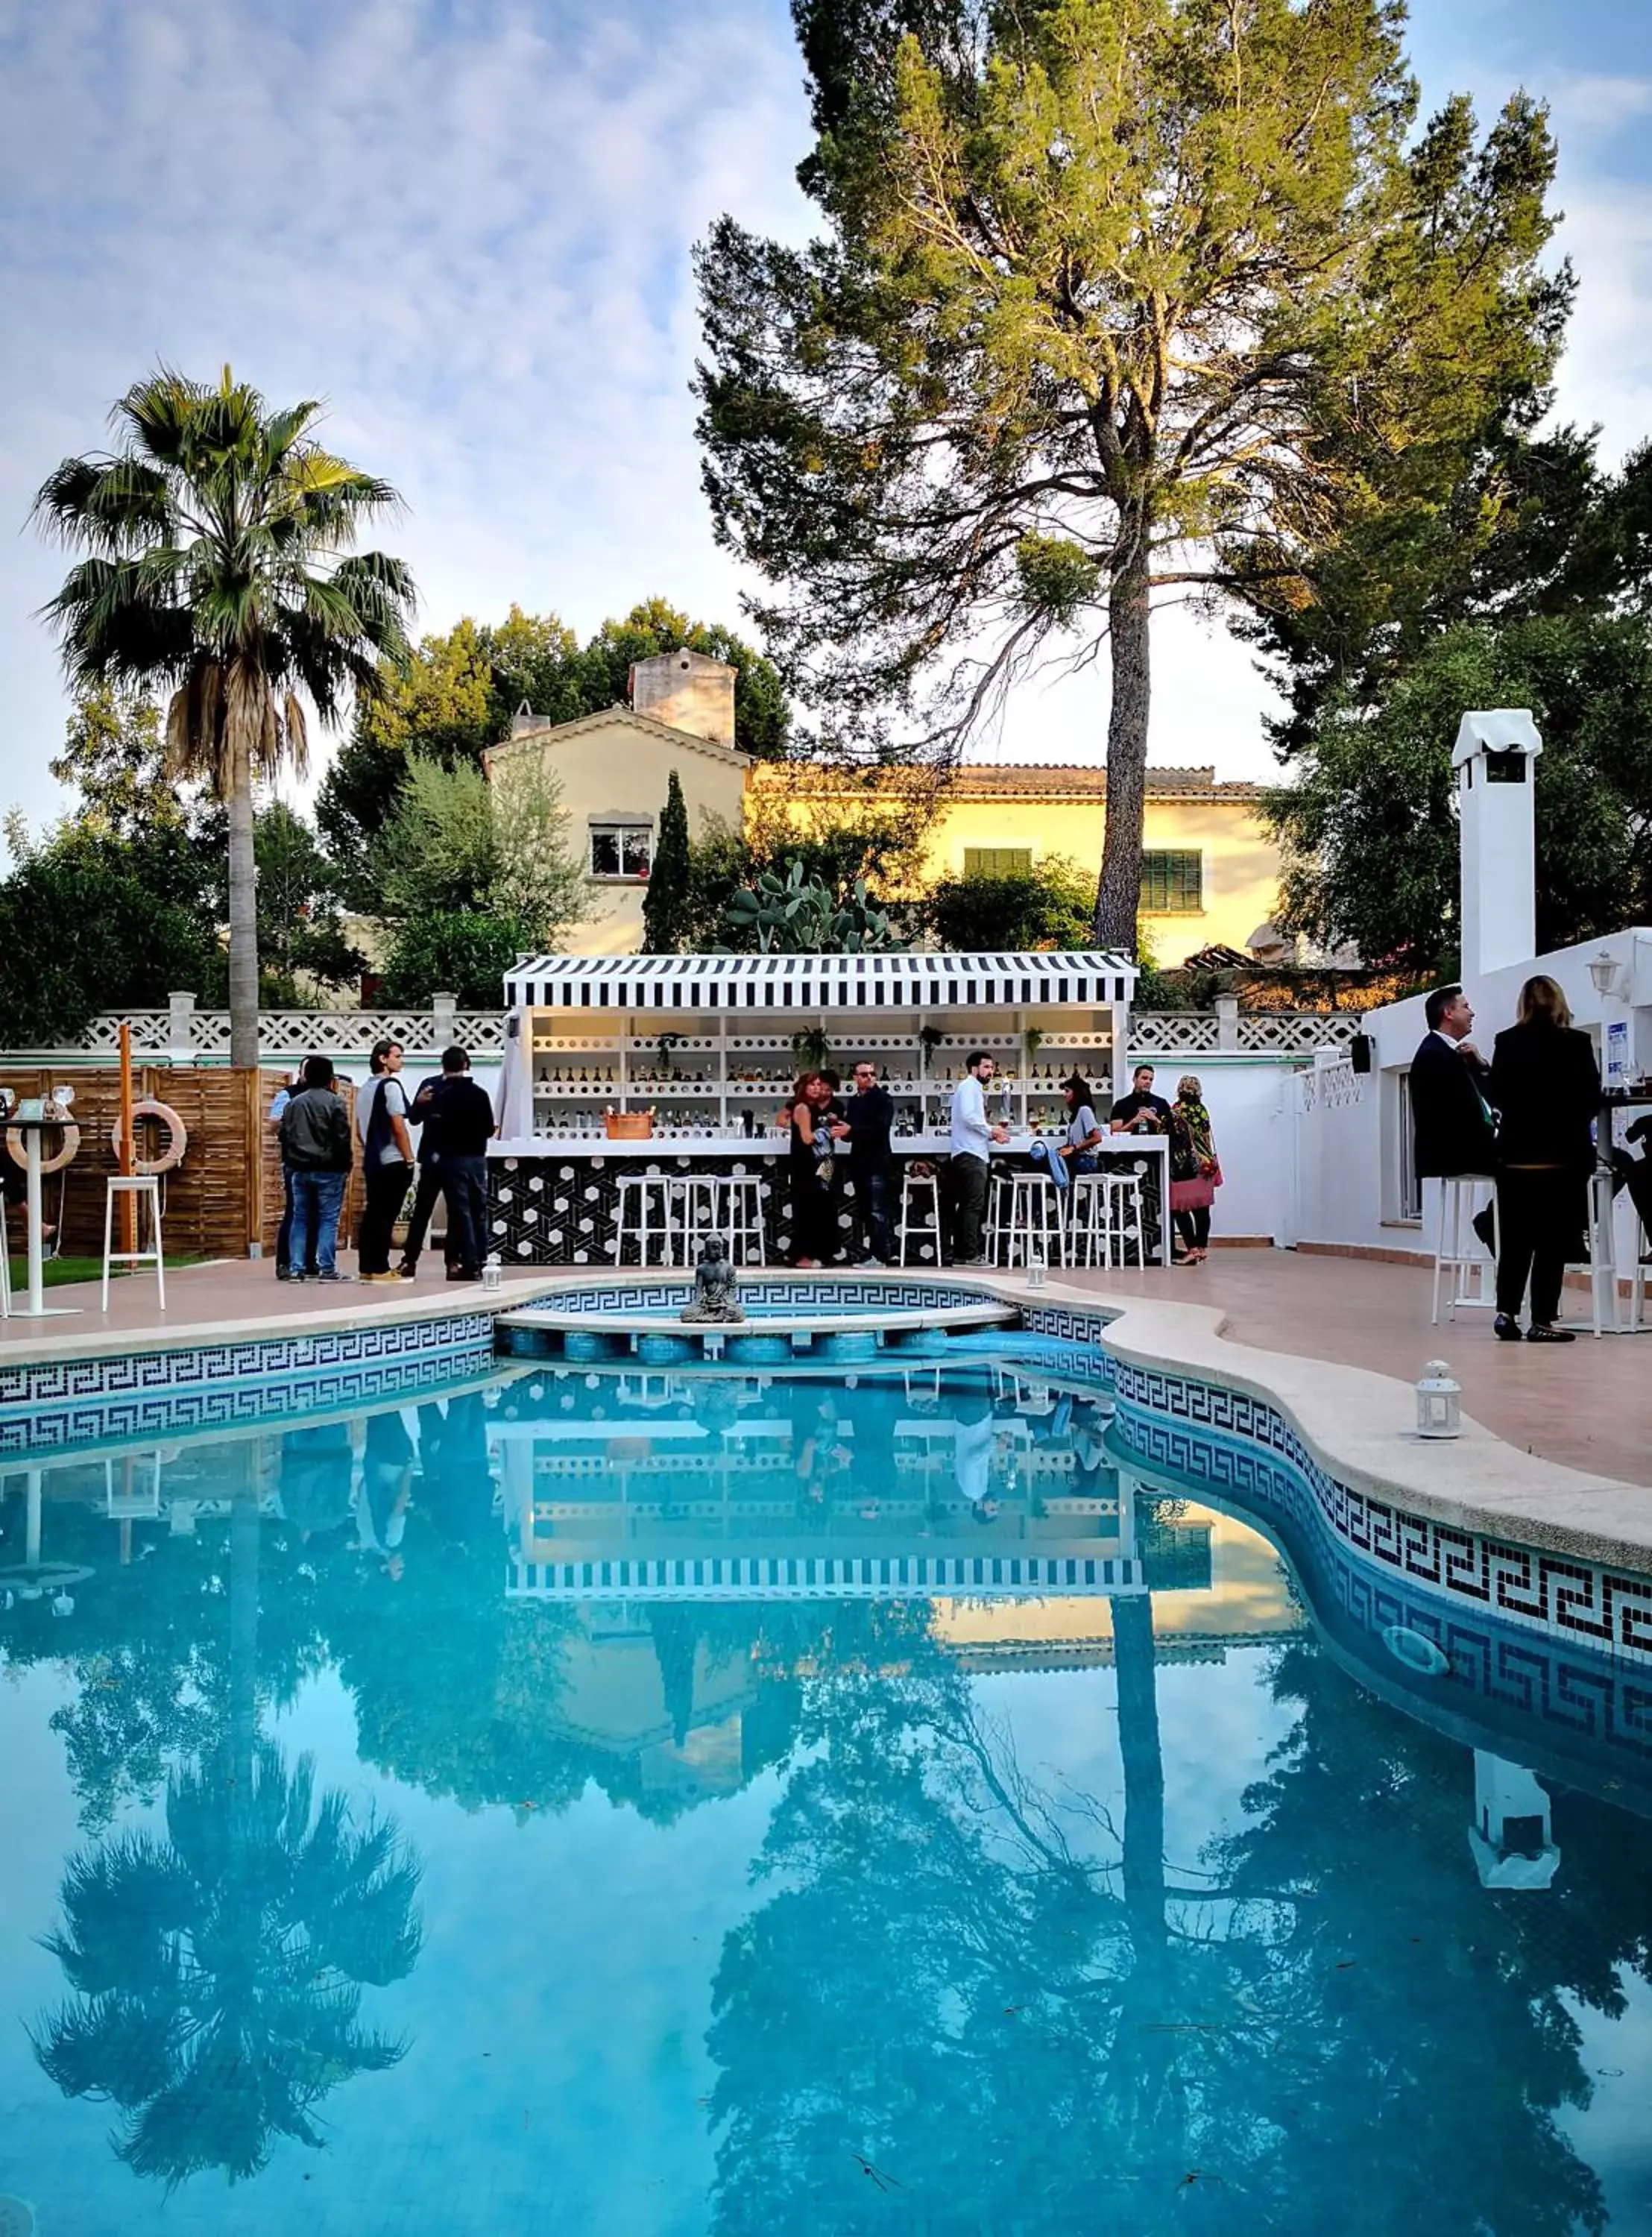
{"x":1294,"y":1032}
{"x":303,"y":1033}
{"x":1173,"y":1032}
{"x":424,"y":1033}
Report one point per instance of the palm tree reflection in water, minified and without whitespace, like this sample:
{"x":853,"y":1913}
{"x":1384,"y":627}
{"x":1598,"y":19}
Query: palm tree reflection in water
{"x":218,"y":1974}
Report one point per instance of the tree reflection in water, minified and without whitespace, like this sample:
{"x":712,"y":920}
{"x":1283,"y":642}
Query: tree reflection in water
{"x":218,"y":1974}
{"x":975,"y":2005}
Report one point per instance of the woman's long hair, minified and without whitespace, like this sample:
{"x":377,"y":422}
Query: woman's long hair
{"x":1079,"y":1089}
{"x":801,"y":1085}
{"x":1542,"y":1003}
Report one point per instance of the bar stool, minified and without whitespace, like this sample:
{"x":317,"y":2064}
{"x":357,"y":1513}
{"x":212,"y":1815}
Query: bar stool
{"x":694,"y":1210}
{"x":5,"y":1270}
{"x":1089,"y":1228}
{"x":727,"y":1206}
{"x":919,"y":1192}
{"x":1602,"y":1271}
{"x":1458,"y":1250}
{"x":644,"y":1217}
{"x":1642,"y":1240}
{"x":143,"y":1188}
{"x":1027,"y":1211}
{"x":1106,"y":1211}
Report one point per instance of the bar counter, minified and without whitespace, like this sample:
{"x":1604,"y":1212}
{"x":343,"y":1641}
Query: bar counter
{"x":553,"y":1201}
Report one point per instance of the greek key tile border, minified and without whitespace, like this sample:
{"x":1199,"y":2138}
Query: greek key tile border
{"x":1241,"y":1445}
{"x":48,"y":1404}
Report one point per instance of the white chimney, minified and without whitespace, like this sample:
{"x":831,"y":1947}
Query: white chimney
{"x":1493,"y":757}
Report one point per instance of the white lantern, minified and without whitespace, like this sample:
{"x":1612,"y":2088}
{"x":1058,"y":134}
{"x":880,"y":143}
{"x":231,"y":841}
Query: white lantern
{"x":492,"y":1274}
{"x":1035,"y":1269}
{"x":1439,"y":1402}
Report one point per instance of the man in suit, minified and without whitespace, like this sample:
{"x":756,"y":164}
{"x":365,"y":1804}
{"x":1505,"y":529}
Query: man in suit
{"x":1450,"y":1113}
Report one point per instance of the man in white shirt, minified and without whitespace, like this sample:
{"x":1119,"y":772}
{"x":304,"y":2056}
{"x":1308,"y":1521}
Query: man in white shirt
{"x":971,"y":1146}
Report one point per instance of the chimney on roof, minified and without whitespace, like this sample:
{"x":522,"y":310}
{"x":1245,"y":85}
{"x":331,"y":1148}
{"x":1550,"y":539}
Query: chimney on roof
{"x":1493,"y":757}
{"x":688,"y":691}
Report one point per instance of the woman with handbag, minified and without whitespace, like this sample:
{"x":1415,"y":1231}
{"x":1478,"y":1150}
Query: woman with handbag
{"x":1195,"y":1171}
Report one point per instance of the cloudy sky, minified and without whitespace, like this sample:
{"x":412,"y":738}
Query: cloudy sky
{"x":466,"y":224}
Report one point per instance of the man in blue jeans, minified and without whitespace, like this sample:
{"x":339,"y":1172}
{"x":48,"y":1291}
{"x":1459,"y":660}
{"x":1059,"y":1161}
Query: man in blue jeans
{"x":316,"y":1149}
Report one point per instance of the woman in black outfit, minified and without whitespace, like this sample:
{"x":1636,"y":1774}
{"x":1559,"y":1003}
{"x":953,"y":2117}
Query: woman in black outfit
{"x":1545,"y":1086}
{"x":813,"y":1236}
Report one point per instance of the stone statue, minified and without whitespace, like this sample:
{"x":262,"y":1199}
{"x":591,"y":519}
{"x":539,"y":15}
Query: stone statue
{"x":714,"y":1279}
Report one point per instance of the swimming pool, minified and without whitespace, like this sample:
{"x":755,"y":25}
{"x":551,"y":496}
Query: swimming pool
{"x":655,"y":1801}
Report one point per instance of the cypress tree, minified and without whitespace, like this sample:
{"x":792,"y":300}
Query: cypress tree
{"x":665,"y":910}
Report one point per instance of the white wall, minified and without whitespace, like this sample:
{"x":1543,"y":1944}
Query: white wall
{"x":1348,"y":1145}
{"x":1251,"y":1101}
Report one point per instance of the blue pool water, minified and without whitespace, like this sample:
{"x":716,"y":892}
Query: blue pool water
{"x":655,"y":1805}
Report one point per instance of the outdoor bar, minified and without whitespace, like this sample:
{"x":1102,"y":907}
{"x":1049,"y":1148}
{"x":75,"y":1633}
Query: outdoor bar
{"x":700,"y":1051}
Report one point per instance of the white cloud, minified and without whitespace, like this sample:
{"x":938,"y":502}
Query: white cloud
{"x":469,"y":228}
{"x":467,"y":222}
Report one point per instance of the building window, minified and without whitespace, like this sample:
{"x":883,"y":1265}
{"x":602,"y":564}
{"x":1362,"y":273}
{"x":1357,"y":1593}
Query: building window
{"x":1173,"y":884}
{"x":621,"y":850}
{"x":1410,"y":1195}
{"x":997,"y":861}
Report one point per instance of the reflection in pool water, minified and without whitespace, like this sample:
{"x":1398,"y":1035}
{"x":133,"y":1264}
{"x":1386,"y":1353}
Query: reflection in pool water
{"x":576,"y":1800}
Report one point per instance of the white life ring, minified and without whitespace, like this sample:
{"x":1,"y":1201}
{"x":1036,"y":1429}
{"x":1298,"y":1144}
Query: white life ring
{"x":16,"y":1145}
{"x":177,"y":1137}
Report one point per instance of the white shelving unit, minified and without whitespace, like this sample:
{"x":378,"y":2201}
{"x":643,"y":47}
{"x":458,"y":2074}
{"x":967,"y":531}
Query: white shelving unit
{"x":696,"y":1082}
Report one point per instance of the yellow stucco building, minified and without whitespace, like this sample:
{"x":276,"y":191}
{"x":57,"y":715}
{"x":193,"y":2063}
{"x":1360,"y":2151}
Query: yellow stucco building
{"x":1210,"y":871}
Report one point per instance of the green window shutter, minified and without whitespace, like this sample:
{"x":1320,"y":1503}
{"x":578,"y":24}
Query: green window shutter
{"x":997,"y":861}
{"x":1173,"y":884}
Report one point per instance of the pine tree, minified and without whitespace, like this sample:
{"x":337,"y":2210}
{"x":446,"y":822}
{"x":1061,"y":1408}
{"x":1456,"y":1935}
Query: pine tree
{"x":1114,"y":302}
{"x":665,"y":909}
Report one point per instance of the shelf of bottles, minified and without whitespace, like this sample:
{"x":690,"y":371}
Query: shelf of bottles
{"x":737,"y":1083}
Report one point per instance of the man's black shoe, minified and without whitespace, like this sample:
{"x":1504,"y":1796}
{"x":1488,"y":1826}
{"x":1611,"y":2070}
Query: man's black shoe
{"x":1506,"y":1328}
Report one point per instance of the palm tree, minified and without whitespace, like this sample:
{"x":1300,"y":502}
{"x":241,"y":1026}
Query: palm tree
{"x":220,"y":567}
{"x":218,"y":1974}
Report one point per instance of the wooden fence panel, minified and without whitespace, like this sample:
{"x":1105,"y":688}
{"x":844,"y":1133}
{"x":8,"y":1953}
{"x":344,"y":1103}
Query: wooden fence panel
{"x":227,"y":1193}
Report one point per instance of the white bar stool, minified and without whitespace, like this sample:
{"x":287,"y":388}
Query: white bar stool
{"x":1601,"y":1265}
{"x":1107,"y":1216}
{"x":1458,"y":1250}
{"x":5,"y":1270}
{"x":727,"y":1206}
{"x":644,"y":1217}
{"x":697,"y":1199}
{"x":1636,"y":1323}
{"x":1027,"y":1214}
{"x":1090,"y":1227}
{"x":144,"y":1188}
{"x":919,"y":1193}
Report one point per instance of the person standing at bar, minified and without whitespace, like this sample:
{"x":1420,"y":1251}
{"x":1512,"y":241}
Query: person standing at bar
{"x":813,"y":1236}
{"x":1545,"y":1087}
{"x":457,"y":1107}
{"x":971,"y":1143}
{"x":867,"y":1123}
{"x":386,"y":1160}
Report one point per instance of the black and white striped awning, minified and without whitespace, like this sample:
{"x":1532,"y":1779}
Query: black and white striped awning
{"x":1085,"y":978}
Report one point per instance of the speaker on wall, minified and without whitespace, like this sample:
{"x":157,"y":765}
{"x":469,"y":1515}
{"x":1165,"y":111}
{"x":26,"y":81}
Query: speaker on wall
{"x":1359,"y":1052}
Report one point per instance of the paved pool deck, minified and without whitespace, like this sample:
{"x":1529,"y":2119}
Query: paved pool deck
{"x":1586,"y":1406}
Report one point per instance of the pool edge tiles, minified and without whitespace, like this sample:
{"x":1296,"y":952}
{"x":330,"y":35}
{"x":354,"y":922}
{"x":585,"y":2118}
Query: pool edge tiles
{"x":48,"y":1405}
{"x":1244,"y":1446}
